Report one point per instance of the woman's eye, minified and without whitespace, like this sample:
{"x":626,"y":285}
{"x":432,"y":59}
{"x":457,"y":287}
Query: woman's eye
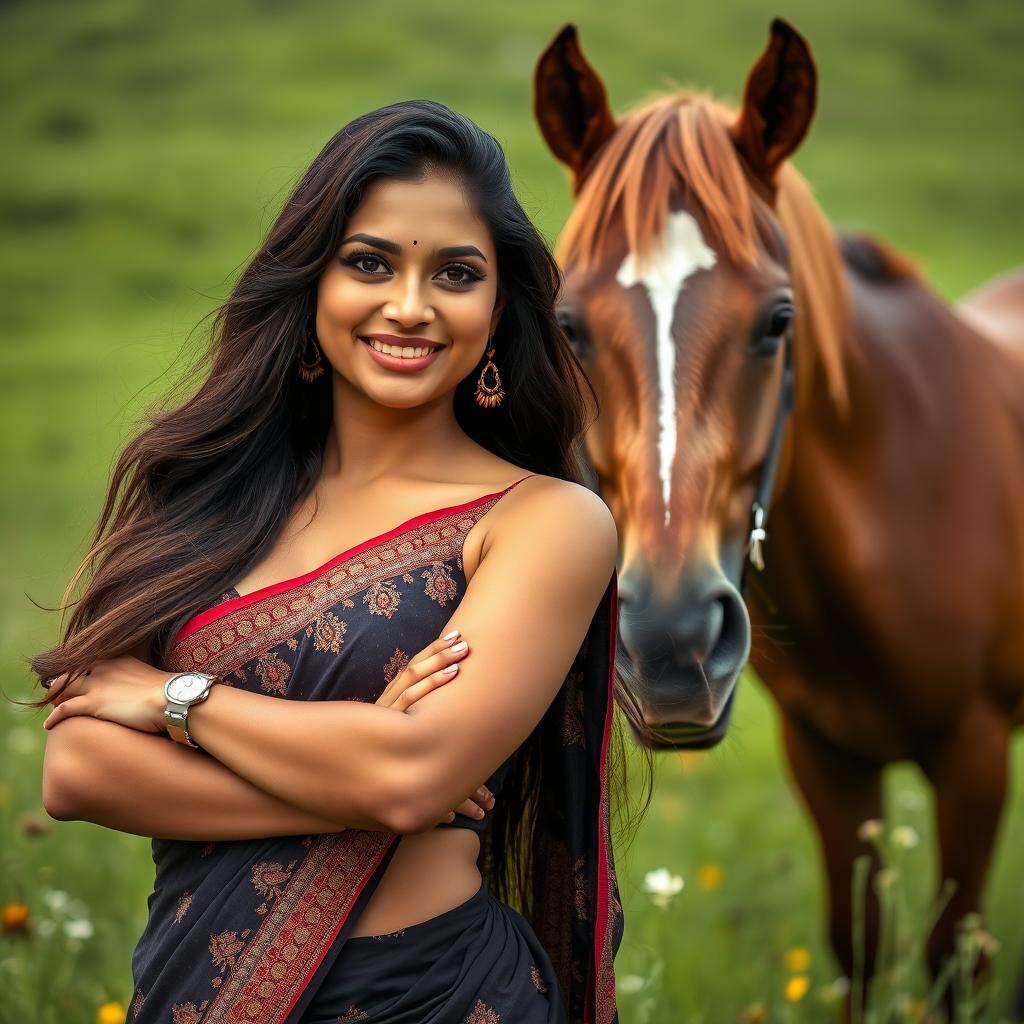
{"x":367,"y":264}
{"x":460,"y":274}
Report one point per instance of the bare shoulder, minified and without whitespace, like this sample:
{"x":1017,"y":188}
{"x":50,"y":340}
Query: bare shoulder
{"x":557,"y":515}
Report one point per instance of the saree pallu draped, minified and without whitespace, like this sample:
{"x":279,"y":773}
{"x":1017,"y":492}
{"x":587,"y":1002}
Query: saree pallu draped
{"x":248,"y":930}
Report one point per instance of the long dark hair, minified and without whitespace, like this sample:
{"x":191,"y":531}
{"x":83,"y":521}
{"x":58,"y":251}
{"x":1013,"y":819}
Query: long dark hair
{"x":202,"y":493}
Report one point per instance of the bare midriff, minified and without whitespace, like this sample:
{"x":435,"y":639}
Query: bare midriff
{"x":445,"y":858}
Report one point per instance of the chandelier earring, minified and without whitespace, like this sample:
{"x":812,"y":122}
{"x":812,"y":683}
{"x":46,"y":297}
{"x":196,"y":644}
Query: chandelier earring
{"x":310,"y":363}
{"x":487,"y":394}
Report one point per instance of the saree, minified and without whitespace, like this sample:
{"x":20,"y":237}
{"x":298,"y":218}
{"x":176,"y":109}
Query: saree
{"x":250,"y":930}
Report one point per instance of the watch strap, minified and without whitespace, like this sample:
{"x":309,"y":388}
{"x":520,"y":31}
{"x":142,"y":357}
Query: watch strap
{"x":176,"y":716}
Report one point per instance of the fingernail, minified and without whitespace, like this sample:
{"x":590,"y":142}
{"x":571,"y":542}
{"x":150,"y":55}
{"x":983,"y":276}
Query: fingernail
{"x":479,"y":812}
{"x":451,"y":636}
{"x":460,"y":646}
{"x":451,"y":669}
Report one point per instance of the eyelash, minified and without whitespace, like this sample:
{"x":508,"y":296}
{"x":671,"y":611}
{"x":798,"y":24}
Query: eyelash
{"x":352,"y":259}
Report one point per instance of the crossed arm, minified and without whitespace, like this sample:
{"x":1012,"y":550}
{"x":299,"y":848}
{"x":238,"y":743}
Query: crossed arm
{"x":288,"y":767}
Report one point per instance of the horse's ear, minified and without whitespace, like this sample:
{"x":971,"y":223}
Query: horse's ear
{"x":778,"y":103}
{"x":570,"y":104}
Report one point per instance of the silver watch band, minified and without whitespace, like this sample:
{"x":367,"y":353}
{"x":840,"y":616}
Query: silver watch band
{"x":177,"y":727}
{"x":176,"y":711}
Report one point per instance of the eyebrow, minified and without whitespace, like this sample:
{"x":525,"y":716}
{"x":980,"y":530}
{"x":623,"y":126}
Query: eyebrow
{"x":394,"y":247}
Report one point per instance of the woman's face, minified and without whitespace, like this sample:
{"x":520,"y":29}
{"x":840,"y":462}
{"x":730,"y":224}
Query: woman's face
{"x":416,"y":268}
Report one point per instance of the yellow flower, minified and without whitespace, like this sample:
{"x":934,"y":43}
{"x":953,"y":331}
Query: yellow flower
{"x":111,"y":1013}
{"x":15,"y":918}
{"x":709,"y":876}
{"x":796,"y":987}
{"x":797,"y":959}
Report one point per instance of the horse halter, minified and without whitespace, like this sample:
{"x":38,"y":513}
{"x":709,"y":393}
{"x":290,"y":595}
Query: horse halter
{"x":769,"y":468}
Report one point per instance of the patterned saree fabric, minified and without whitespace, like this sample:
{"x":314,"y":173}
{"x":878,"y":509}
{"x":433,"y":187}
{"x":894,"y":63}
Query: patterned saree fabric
{"x":248,"y":930}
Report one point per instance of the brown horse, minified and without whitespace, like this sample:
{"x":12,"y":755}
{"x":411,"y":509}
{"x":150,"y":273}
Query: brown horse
{"x":705,"y":293}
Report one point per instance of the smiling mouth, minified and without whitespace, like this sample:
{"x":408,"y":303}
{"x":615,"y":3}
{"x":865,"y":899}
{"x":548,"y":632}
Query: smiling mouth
{"x":404,"y":348}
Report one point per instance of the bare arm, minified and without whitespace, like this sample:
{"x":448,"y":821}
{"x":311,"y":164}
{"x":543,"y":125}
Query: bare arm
{"x":149,"y":785}
{"x":550,"y":557}
{"x":162,"y":789}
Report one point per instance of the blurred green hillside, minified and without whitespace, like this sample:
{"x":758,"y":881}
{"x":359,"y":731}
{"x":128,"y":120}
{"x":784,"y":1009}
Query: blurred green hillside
{"x":146,"y":149}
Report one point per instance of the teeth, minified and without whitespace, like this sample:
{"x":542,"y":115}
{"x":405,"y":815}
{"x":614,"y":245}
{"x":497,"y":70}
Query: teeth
{"x":402,"y":351}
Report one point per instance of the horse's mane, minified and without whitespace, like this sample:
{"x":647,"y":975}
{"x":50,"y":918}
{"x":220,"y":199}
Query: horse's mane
{"x":683,"y":138}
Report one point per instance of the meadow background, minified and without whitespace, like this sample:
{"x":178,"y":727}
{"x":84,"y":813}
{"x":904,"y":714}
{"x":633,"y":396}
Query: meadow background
{"x":147,"y":147}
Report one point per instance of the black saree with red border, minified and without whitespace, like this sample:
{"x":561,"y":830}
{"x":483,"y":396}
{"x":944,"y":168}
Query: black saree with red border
{"x":246,"y":930}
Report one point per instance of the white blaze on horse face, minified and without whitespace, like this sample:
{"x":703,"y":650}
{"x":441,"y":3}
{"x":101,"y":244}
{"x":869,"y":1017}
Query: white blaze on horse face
{"x":678,"y":253}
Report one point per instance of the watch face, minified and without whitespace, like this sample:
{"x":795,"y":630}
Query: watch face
{"x":185,"y":688}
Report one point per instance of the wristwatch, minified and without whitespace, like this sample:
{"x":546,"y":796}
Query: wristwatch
{"x":182,"y":691}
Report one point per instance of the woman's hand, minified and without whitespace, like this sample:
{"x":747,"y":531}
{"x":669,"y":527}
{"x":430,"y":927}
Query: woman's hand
{"x":434,"y":666}
{"x":123,"y":690}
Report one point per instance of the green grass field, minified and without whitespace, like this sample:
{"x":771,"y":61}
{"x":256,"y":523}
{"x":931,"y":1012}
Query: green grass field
{"x":146,"y":150}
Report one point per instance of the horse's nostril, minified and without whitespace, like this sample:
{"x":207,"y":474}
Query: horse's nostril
{"x":732,"y":643}
{"x":704,"y":637}
{"x":712,"y":634}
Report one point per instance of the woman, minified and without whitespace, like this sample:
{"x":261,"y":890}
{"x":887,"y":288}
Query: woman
{"x":392,"y":347}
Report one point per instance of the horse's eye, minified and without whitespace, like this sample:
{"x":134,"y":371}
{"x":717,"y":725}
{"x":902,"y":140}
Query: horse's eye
{"x":573,"y":328}
{"x":774,"y":329}
{"x":782,"y":317}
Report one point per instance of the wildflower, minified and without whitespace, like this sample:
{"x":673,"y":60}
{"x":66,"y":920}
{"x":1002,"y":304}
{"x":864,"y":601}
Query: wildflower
{"x":111,"y":1013}
{"x":755,"y":1013}
{"x":15,"y":919}
{"x":869,"y":830}
{"x":905,"y":837}
{"x":662,"y":886}
{"x":835,"y":991}
{"x":797,"y":959}
{"x":55,"y":899}
{"x":709,"y":876}
{"x":45,"y":927}
{"x":796,"y":987}
{"x":78,"y":928}
{"x":841,"y":986}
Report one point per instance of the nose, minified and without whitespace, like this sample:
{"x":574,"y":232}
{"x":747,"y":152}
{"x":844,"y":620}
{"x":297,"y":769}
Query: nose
{"x":704,"y":625}
{"x":407,"y":303}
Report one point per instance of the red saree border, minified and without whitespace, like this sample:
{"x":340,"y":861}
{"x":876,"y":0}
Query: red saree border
{"x":269,"y":977}
{"x":602,"y":995}
{"x":319,"y":960}
{"x":209,"y":615}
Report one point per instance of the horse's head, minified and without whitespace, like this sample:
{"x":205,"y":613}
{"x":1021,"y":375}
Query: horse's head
{"x":682,"y":277}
